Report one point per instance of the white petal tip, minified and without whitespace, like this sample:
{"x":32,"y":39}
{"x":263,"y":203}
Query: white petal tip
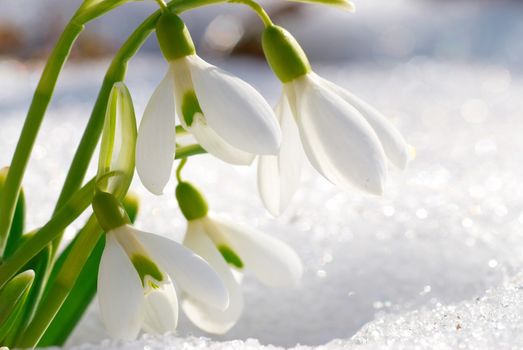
{"x":376,"y":188}
{"x":273,"y":212}
{"x":155,"y":190}
{"x":247,"y":161}
{"x":348,"y":6}
{"x":402,"y":160}
{"x":149,"y":179}
{"x":274,"y":146}
{"x":276,"y":210}
{"x":402,"y":164}
{"x":218,"y":297}
{"x":295,"y":272}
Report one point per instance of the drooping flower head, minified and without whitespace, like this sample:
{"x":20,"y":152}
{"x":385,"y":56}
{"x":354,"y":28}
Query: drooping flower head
{"x":138,"y":272}
{"x":230,"y":248}
{"x":344,"y":138}
{"x":226,"y":115}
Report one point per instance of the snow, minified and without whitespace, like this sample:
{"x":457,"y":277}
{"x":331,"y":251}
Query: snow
{"x":432,"y":264}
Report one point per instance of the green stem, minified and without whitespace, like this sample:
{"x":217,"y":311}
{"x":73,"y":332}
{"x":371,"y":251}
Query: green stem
{"x":180,"y":131}
{"x":260,"y":11}
{"x":62,"y":285}
{"x":93,"y":130}
{"x":41,"y":98}
{"x":63,"y":218}
{"x":115,"y":73}
{"x":189,"y":151}
{"x":162,"y":5}
{"x":180,"y":168}
{"x":69,"y":206}
{"x":35,"y":115}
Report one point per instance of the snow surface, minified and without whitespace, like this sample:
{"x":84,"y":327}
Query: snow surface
{"x":432,"y":264}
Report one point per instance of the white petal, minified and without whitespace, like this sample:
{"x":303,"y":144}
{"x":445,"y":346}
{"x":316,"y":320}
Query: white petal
{"x":208,"y":318}
{"x":156,"y":141}
{"x":279,"y":176}
{"x":203,"y":134}
{"x":234,"y":109}
{"x":120,"y":292}
{"x":392,"y":141}
{"x":186,"y":269}
{"x":337,"y":139}
{"x":161,"y":309}
{"x":217,"y":146}
{"x":182,"y":85}
{"x":273,"y":262}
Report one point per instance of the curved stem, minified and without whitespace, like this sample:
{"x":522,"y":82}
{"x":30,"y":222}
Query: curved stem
{"x":189,"y":151}
{"x":260,"y":11}
{"x":70,"y":204}
{"x":63,"y":218}
{"x":91,"y":135}
{"x":35,"y":115}
{"x":115,"y":73}
{"x":180,"y":168}
{"x":162,"y":5}
{"x":180,"y":131}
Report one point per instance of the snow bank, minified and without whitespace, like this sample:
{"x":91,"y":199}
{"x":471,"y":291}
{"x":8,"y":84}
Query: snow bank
{"x":431,"y":264}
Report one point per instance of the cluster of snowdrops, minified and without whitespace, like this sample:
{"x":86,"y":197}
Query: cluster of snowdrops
{"x":197,"y":108}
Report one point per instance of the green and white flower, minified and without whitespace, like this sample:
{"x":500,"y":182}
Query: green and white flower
{"x":230,"y":248}
{"x":226,"y":115}
{"x":344,"y":138}
{"x":138,"y":272}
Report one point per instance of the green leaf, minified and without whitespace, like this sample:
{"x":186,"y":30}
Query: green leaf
{"x":342,"y":4}
{"x":77,"y":302}
{"x":39,"y":265}
{"x":12,"y":299}
{"x":83,"y":291}
{"x":17,"y":226}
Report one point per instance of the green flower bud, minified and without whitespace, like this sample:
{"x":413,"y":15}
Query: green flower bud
{"x":173,"y":37}
{"x":284,"y":55}
{"x":192,"y":203}
{"x":118,"y":145}
{"x":109,"y":211}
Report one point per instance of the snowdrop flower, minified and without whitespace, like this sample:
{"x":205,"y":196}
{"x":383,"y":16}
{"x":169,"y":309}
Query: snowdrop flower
{"x":344,"y":138}
{"x":137,"y":274}
{"x":226,"y":116}
{"x":229,"y":248}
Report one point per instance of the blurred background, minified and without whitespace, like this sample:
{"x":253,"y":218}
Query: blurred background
{"x":380,"y":31}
